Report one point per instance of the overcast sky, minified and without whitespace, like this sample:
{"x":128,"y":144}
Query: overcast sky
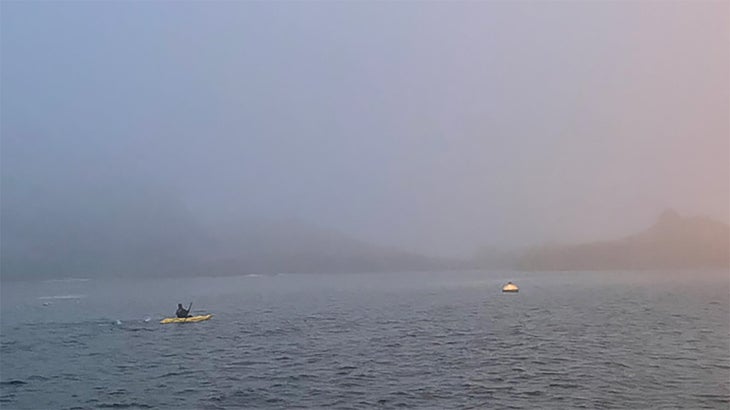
{"x":434,"y":126}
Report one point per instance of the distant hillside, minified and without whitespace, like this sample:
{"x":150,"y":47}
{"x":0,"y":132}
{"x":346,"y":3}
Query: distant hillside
{"x":275,"y":247}
{"x":673,"y":242}
{"x":130,"y":239}
{"x":137,"y":241}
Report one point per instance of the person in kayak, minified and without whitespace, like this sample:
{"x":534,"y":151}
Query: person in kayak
{"x":181,"y":312}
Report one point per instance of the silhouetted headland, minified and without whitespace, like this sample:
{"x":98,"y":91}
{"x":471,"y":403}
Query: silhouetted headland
{"x":673,"y":242}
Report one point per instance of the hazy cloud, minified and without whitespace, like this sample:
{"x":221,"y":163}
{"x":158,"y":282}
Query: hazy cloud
{"x":437,"y":127}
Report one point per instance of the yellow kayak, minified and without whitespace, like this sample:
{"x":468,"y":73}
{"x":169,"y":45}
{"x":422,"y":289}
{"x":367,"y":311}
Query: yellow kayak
{"x":185,"y":319}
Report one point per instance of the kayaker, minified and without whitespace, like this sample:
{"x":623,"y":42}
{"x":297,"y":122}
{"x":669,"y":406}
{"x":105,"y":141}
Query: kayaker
{"x":181,"y":312}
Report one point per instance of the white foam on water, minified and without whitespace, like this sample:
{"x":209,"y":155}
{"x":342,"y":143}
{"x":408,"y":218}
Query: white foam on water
{"x":61,"y":297}
{"x":67,"y":280}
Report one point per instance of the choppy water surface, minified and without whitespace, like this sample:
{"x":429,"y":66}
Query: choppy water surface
{"x":438,"y":340}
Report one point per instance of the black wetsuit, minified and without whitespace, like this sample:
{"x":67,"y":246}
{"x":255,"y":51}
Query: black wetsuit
{"x":181,"y":312}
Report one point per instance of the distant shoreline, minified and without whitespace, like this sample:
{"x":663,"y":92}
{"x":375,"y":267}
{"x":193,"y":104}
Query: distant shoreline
{"x":675,"y":271}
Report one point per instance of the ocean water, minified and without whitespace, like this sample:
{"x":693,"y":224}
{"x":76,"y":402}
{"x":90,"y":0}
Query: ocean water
{"x":415,"y":340}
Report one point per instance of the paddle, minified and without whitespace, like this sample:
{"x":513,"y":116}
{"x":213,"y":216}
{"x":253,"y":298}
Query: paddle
{"x":190,"y":306}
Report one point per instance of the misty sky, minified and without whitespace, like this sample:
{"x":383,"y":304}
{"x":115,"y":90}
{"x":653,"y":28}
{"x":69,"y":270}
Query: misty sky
{"x":437,"y":127}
